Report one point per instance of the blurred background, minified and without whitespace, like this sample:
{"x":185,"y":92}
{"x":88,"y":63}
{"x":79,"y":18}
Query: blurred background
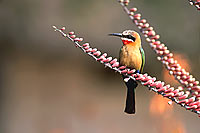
{"x":49,"y":86}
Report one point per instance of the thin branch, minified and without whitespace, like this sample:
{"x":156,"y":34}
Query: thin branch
{"x":177,"y":95}
{"x":164,"y":55}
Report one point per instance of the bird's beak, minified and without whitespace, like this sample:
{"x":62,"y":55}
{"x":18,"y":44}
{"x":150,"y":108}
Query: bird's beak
{"x":115,"y":34}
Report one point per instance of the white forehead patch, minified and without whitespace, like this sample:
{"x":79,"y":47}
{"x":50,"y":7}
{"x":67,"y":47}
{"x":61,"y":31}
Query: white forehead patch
{"x":127,"y":32}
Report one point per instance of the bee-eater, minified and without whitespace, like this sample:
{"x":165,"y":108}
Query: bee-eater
{"x":132,"y":56}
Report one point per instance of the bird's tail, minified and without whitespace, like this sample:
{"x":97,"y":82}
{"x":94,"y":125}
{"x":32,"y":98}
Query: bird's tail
{"x":130,"y":99}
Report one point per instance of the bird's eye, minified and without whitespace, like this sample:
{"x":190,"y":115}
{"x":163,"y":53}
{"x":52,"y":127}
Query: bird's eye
{"x":131,"y":37}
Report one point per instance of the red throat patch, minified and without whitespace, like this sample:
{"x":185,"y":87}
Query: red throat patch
{"x":125,"y":42}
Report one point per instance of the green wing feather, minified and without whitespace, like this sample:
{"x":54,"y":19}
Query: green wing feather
{"x":143,"y":59}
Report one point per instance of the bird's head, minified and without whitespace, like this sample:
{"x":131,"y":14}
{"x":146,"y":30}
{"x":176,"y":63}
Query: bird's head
{"x":128,"y":37}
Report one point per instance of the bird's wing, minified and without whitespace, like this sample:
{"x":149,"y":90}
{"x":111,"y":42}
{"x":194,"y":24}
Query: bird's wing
{"x":143,"y":59}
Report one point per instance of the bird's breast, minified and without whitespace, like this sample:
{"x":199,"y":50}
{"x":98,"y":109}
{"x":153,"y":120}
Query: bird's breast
{"x":130,"y":56}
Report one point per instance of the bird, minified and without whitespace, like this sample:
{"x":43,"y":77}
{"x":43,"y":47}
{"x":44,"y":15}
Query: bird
{"x":132,"y":56}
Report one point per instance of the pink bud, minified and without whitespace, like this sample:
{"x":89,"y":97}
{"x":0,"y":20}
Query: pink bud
{"x":183,"y":97}
{"x":86,"y":47}
{"x":143,"y":21}
{"x":71,"y":33}
{"x":192,"y":99}
{"x":169,"y":95}
{"x":192,"y":107}
{"x":145,"y":25}
{"x":89,"y":50}
{"x":151,"y":33}
{"x":179,"y":94}
{"x":156,"y":43}
{"x":86,"y":44}
{"x":133,"y":9}
{"x":107,"y":60}
{"x":78,"y":39}
{"x":169,"y":90}
{"x":161,"y":89}
{"x":63,"y":28}
{"x":73,"y":36}
{"x":156,"y":37}
{"x":137,"y":16}
{"x":101,"y":58}
{"x":175,"y":91}
{"x":150,"y":28}
{"x":131,"y":13}
{"x":131,"y":71}
{"x":122,"y":67}
{"x":98,"y":53}
{"x":113,"y":61}
{"x":105,"y":54}
{"x":124,"y":71}
{"x":94,"y":50}
{"x":194,"y":103}
{"x":126,"y":2}
{"x":116,"y":64}
{"x":183,"y":101}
